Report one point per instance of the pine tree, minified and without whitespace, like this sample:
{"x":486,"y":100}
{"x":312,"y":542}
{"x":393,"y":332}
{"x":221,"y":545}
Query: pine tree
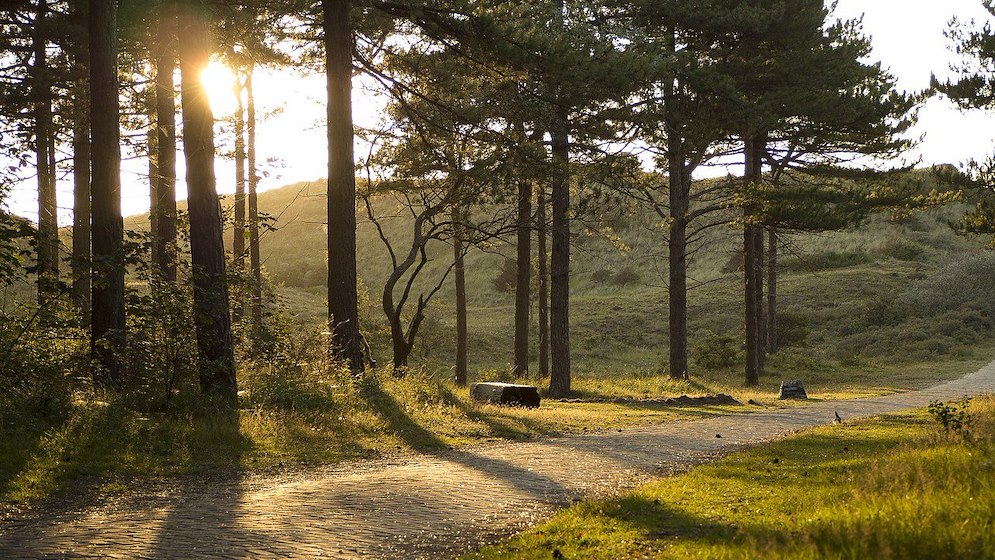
{"x":107,"y":317}
{"x":212,"y":317}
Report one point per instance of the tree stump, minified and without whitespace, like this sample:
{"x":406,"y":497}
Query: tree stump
{"x":506,"y":394}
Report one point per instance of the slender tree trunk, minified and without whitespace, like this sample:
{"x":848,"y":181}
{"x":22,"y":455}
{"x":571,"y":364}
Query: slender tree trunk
{"x":48,"y":224}
{"x":211,"y":313}
{"x":152,"y":139}
{"x":460,"y":272}
{"x":164,"y":234}
{"x":238,"y":234}
{"x":254,"y":260}
{"x":559,"y":328}
{"x":752,"y":294}
{"x":758,"y":252}
{"x":107,"y":316}
{"x":677,"y":255}
{"x":343,"y":310}
{"x":772,"y":291}
{"x":523,"y":285}
{"x":543,"y":272}
{"x":81,"y":162}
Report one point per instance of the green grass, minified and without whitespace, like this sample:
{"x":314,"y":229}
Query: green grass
{"x":890,"y":487}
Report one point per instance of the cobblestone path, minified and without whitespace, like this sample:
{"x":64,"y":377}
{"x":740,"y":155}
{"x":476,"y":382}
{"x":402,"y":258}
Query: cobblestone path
{"x":424,"y":506}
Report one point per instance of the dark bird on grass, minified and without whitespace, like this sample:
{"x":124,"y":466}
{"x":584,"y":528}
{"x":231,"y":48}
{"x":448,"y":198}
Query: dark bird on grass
{"x":838,"y":419}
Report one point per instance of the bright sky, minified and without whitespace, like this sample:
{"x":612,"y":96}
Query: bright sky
{"x":907,"y":37}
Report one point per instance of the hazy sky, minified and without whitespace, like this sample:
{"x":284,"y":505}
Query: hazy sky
{"x":907,"y":36}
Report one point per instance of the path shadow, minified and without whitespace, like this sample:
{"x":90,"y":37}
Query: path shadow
{"x":538,"y":486}
{"x":204,"y":514}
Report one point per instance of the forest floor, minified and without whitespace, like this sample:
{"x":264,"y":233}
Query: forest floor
{"x":442,"y":502}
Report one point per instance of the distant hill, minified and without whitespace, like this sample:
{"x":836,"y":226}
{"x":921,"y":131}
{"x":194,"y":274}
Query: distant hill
{"x":618,"y":278}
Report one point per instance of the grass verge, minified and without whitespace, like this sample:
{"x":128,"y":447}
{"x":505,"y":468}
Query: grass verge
{"x":891,"y":487}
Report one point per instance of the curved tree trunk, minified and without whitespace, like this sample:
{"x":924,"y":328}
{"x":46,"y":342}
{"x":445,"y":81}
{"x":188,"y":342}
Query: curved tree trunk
{"x":523,"y":285}
{"x":107,"y":316}
{"x":343,"y":310}
{"x":164,"y":234}
{"x":211,"y":313}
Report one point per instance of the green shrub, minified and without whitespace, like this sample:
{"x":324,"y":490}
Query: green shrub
{"x":715,"y":351}
{"x":625,"y":277}
{"x":903,"y":250}
{"x":507,"y":279}
{"x":601,"y":276}
{"x":792,"y":329}
{"x":830,"y":260}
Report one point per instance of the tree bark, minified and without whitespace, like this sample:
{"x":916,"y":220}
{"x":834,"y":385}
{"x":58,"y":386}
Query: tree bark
{"x":152,"y":141}
{"x":559,"y":328}
{"x":107,"y":315}
{"x":679,"y":183}
{"x":758,"y":252}
{"x":211,"y":313}
{"x":164,"y":234}
{"x":343,"y":310}
{"x":461,"y":329}
{"x":523,"y":285}
{"x":48,"y":223}
{"x":543,"y":272}
{"x":752,"y":294}
{"x":238,"y":230}
{"x":772,"y":291}
{"x":254,"y":260}
{"x":81,"y":162}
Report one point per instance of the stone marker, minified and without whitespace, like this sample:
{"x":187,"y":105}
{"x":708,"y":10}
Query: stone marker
{"x":792,"y":390}
{"x":506,"y":393}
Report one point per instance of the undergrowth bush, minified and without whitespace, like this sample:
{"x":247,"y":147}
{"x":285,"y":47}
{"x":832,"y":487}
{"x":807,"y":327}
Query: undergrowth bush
{"x":713,"y":351}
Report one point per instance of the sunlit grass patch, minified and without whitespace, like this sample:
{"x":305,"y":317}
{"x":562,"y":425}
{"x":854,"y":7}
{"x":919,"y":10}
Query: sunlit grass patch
{"x":891,"y":487}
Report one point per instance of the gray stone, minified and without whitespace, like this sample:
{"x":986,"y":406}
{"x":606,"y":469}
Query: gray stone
{"x":506,"y":394}
{"x":792,"y":390}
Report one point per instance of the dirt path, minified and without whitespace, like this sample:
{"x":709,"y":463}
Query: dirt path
{"x":429,"y":506}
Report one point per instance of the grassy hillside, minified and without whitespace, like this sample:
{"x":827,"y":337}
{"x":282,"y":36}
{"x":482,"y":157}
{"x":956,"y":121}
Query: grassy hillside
{"x":846,"y":298}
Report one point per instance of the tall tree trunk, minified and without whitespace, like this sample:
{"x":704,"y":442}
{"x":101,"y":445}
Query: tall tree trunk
{"x":152,"y":141}
{"x":559,"y":327}
{"x":343,"y":310}
{"x":772,"y":291}
{"x":677,"y":255}
{"x":211,"y":313}
{"x":48,"y":223}
{"x":254,"y":261}
{"x":238,"y":234}
{"x":81,"y":161}
{"x":543,"y":272}
{"x":752,"y":294}
{"x":164,"y":236}
{"x":461,"y":330}
{"x":107,"y":316}
{"x":523,"y":285}
{"x":758,"y":252}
